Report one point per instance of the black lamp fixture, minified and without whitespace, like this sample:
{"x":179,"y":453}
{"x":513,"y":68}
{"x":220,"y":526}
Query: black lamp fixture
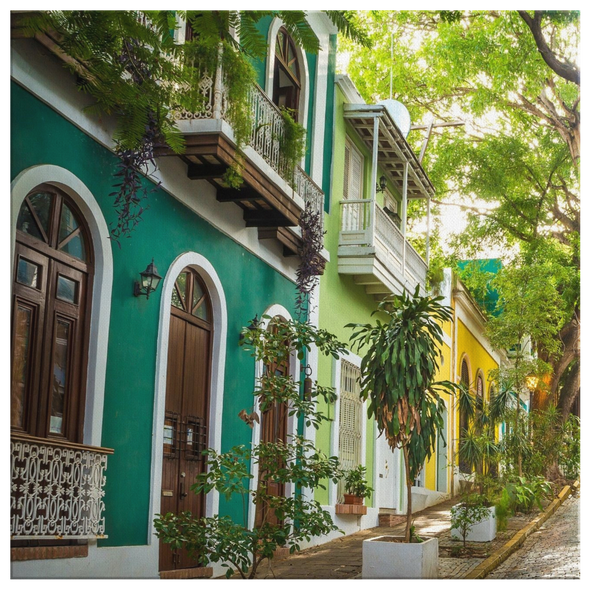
{"x":253,"y":325}
{"x":150,"y":279}
{"x":382,"y":184}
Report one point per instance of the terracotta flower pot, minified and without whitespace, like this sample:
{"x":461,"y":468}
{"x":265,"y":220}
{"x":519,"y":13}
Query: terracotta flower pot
{"x":352,"y":499}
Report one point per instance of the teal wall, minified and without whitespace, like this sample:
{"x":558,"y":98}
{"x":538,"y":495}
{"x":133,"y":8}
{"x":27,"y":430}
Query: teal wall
{"x":167,"y":230}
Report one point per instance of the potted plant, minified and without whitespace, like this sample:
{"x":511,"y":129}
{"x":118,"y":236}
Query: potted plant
{"x":473,"y":520}
{"x":399,"y":365}
{"x":356,"y":486}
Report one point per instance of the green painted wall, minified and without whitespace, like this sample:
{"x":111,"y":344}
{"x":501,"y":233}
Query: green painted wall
{"x":167,"y":230}
{"x":341,"y":300}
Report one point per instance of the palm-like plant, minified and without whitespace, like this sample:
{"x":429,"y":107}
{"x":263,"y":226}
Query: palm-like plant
{"x":399,"y":367}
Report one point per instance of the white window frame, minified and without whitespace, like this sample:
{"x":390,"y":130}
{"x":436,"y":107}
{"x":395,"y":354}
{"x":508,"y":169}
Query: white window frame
{"x":334,"y":446}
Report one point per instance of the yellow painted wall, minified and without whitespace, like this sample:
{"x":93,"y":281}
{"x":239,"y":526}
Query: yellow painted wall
{"x":444,"y":373}
{"x":478,"y":359}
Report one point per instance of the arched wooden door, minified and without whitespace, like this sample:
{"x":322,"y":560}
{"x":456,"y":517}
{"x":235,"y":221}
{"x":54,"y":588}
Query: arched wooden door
{"x":464,"y":466}
{"x":187,"y":405}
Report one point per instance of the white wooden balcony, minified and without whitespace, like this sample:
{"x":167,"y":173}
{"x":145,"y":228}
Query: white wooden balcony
{"x":57,"y":489}
{"x":374,"y":250}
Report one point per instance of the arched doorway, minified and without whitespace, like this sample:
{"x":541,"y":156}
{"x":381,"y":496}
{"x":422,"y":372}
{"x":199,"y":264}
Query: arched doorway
{"x":186,"y":420}
{"x":51,"y":299}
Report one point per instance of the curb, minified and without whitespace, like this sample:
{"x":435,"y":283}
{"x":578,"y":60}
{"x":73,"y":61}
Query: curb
{"x":484,"y":568}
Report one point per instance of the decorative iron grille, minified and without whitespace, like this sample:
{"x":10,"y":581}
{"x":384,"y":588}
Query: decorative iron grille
{"x":57,"y":489}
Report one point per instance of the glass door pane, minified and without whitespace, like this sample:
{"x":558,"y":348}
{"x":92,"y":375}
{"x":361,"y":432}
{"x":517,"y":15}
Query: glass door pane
{"x":23,"y":322}
{"x":61,"y":355}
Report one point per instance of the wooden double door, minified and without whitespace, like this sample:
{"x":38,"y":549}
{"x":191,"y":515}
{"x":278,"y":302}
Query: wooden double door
{"x":187,"y":406}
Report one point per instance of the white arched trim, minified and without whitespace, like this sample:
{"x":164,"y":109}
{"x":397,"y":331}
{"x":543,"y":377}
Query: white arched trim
{"x":273,"y":30}
{"x":100,"y":314}
{"x":219,"y":308}
{"x":294,"y":366}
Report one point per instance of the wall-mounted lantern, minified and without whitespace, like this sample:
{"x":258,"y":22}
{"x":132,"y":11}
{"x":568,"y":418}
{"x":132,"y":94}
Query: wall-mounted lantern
{"x":149,"y":283}
{"x":382,"y":184}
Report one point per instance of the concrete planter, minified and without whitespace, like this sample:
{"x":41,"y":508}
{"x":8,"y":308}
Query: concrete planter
{"x":482,"y":531}
{"x":389,"y":557}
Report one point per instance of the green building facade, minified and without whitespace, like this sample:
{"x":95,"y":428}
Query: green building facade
{"x":124,"y":355}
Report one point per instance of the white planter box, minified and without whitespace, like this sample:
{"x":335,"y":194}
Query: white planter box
{"x":387,"y":559}
{"x":482,"y":531}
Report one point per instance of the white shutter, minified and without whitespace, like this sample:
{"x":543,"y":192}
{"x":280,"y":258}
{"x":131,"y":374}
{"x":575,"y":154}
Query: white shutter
{"x":351,"y":419}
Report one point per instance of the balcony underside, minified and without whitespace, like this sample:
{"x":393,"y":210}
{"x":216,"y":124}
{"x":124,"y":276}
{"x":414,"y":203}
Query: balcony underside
{"x":381,"y":278}
{"x":266,"y":205}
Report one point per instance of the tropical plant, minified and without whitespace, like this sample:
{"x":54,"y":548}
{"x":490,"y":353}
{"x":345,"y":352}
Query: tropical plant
{"x":527,"y":492}
{"x":282,"y":521}
{"x":468,"y":513}
{"x":399,"y":365}
{"x":355,"y":482}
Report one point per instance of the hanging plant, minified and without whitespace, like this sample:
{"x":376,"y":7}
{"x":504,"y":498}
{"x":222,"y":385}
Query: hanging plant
{"x":291,"y":144}
{"x":311,"y":263}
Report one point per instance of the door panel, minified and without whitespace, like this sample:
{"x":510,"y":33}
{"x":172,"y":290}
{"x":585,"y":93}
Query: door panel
{"x":185,"y":424}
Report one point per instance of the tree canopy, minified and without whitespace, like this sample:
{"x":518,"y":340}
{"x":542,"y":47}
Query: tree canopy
{"x":513,"y":78}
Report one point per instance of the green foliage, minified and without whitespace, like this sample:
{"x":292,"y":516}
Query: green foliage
{"x":292,"y":143}
{"x":398,"y":376}
{"x":527,"y":492}
{"x":355,"y":482}
{"x":503,"y":510}
{"x":470,"y":512}
{"x":569,"y":459}
{"x":285,"y":521}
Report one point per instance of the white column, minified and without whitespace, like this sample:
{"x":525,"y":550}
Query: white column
{"x":404,"y":215}
{"x":371,"y":228}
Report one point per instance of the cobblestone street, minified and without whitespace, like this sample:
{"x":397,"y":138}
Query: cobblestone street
{"x":552,"y":552}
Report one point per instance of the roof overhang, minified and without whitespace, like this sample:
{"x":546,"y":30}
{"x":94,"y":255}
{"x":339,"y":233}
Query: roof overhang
{"x":393,"y":150}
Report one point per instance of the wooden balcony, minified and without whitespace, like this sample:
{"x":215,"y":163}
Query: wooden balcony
{"x":272,"y":196}
{"x":57,"y":489}
{"x":373,"y":249}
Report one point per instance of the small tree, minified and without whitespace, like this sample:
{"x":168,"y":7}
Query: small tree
{"x":466,"y":515}
{"x":398,"y":370}
{"x":282,"y":521}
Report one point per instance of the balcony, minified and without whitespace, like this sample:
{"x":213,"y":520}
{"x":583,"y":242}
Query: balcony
{"x":57,"y":489}
{"x":374,"y":250}
{"x":271,"y":196}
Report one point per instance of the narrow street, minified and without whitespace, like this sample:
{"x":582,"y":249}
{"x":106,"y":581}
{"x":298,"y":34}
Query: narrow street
{"x":552,"y":552}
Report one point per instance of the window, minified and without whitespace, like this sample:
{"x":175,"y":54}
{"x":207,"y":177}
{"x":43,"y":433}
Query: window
{"x":351,"y":419}
{"x":51,"y":298}
{"x":287,"y":74}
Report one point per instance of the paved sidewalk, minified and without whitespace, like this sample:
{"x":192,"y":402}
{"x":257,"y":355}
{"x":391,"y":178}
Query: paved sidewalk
{"x":342,"y":558}
{"x":552,"y":552}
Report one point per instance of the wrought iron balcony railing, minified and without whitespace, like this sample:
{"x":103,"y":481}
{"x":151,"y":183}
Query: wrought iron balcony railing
{"x":266,"y":135}
{"x":57,"y":489}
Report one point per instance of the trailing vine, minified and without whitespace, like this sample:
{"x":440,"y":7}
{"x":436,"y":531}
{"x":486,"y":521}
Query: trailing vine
{"x":311,"y":263}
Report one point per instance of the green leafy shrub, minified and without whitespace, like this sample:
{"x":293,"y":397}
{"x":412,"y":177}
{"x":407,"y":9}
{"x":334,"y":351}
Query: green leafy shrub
{"x":503,"y":511}
{"x":355,"y":482}
{"x":526,"y":493}
{"x":470,"y":512}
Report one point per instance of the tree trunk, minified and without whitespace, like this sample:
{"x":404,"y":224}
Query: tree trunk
{"x":570,"y":391}
{"x":406,"y":452}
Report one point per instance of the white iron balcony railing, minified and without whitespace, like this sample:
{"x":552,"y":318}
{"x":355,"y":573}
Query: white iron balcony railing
{"x":390,"y":247}
{"x":266,"y":135}
{"x":57,"y":489}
